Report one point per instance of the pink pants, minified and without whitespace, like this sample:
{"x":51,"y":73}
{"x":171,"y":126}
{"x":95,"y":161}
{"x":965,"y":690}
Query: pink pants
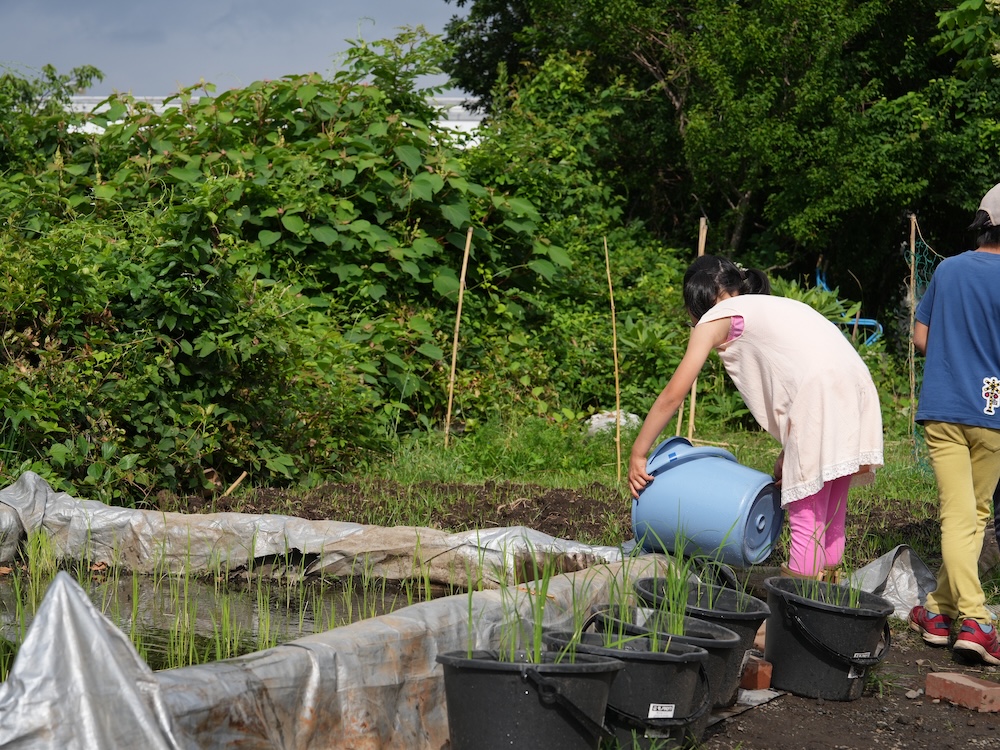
{"x":817,"y":528}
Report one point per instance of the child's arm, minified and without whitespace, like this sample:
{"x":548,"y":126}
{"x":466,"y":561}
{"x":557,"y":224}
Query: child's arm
{"x":920,"y":331}
{"x":704,"y":338}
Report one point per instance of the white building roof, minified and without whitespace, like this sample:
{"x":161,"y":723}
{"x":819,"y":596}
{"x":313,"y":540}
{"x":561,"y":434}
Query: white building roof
{"x":456,"y":115}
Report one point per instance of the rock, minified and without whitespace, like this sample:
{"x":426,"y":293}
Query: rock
{"x":606,"y":420}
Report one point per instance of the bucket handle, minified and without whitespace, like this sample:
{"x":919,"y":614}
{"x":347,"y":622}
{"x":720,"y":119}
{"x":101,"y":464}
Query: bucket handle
{"x":596,"y":614}
{"x":637,"y":722}
{"x":594,"y":617}
{"x":791,"y":615}
{"x":550,"y":694}
{"x":662,"y":456}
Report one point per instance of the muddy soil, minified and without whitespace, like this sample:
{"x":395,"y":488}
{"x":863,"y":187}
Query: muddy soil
{"x":892,"y":712}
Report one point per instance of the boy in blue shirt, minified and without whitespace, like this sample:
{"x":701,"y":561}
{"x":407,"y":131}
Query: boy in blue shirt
{"x":958,"y":330}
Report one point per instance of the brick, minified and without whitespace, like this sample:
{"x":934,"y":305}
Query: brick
{"x":756,"y":674}
{"x":969,"y":692}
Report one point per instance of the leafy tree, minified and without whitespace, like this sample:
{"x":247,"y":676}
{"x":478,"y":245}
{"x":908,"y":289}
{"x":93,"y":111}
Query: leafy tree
{"x":972,"y":30}
{"x":474,"y":66}
{"x":34,"y":117}
{"x":773,"y":118}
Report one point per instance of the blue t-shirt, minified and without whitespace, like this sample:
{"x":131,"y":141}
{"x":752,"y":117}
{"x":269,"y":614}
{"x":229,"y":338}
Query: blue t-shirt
{"x":961,"y":309}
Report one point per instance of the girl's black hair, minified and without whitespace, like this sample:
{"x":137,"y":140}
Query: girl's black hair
{"x":986,"y":233}
{"x":711,"y":275}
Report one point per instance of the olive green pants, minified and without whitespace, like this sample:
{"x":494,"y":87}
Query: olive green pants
{"x":966,"y":463}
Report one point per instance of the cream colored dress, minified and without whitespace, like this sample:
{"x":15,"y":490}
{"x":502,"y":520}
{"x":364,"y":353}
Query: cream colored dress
{"x":807,"y":386}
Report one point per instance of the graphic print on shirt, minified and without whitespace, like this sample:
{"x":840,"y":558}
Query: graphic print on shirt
{"x":991,"y":392}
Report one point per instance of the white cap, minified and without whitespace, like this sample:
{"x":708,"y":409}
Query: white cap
{"x":991,"y":205}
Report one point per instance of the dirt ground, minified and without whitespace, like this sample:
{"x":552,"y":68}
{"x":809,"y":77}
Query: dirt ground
{"x":892,"y":713}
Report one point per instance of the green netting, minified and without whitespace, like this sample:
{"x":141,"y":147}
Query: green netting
{"x":923,"y":259}
{"x":921,"y":459}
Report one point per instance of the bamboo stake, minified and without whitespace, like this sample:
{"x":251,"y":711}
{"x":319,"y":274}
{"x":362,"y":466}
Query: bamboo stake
{"x":699,"y":441}
{"x":234,"y":485}
{"x":614,"y":350}
{"x":702,"y":235}
{"x":454,"y":344}
{"x":913,"y":311}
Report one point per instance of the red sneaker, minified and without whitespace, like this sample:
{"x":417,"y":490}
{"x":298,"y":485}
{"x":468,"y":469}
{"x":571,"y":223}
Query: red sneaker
{"x":972,"y":637}
{"x":935,"y":629}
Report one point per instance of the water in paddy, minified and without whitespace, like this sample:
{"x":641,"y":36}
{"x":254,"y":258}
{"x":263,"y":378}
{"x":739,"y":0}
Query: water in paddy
{"x":176,"y":621}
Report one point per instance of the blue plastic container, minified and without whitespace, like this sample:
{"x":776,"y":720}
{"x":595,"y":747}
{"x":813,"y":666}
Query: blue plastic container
{"x":704,"y":499}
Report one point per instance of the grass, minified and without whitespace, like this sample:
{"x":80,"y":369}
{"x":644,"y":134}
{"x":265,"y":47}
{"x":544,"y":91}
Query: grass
{"x":899,"y":508}
{"x":531,"y":450}
{"x":881,"y":680}
{"x":991,"y":585}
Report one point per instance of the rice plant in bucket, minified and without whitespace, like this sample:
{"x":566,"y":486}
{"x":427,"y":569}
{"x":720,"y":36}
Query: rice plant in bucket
{"x":521,"y":635}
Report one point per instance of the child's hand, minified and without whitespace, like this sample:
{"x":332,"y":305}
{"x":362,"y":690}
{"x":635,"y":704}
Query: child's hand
{"x":637,"y":476}
{"x":777,"y":468}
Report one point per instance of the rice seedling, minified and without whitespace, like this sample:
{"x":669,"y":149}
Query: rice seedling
{"x":673,"y":586}
{"x":522,"y":631}
{"x":181,"y":618}
{"x":41,"y":564}
{"x":474,"y":583}
{"x":266,"y":636}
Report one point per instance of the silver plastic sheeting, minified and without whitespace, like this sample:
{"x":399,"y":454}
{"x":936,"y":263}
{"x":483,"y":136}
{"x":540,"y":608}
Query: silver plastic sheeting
{"x":78,"y":684}
{"x":902,"y":579}
{"x":151,"y":541}
{"x":898,"y":576}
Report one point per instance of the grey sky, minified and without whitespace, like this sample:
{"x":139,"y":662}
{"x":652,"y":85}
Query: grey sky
{"x":152,"y":49}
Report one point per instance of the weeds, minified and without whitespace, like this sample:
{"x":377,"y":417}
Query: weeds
{"x":881,"y":681}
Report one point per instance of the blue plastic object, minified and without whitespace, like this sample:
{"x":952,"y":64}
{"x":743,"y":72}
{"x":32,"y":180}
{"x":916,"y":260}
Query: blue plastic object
{"x":703,"y":500}
{"x":870,"y":325}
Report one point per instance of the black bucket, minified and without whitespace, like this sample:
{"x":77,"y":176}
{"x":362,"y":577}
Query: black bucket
{"x":725,"y":660}
{"x":822,"y":638}
{"x":733,"y":609}
{"x":556,"y":703}
{"x":659,"y":696}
